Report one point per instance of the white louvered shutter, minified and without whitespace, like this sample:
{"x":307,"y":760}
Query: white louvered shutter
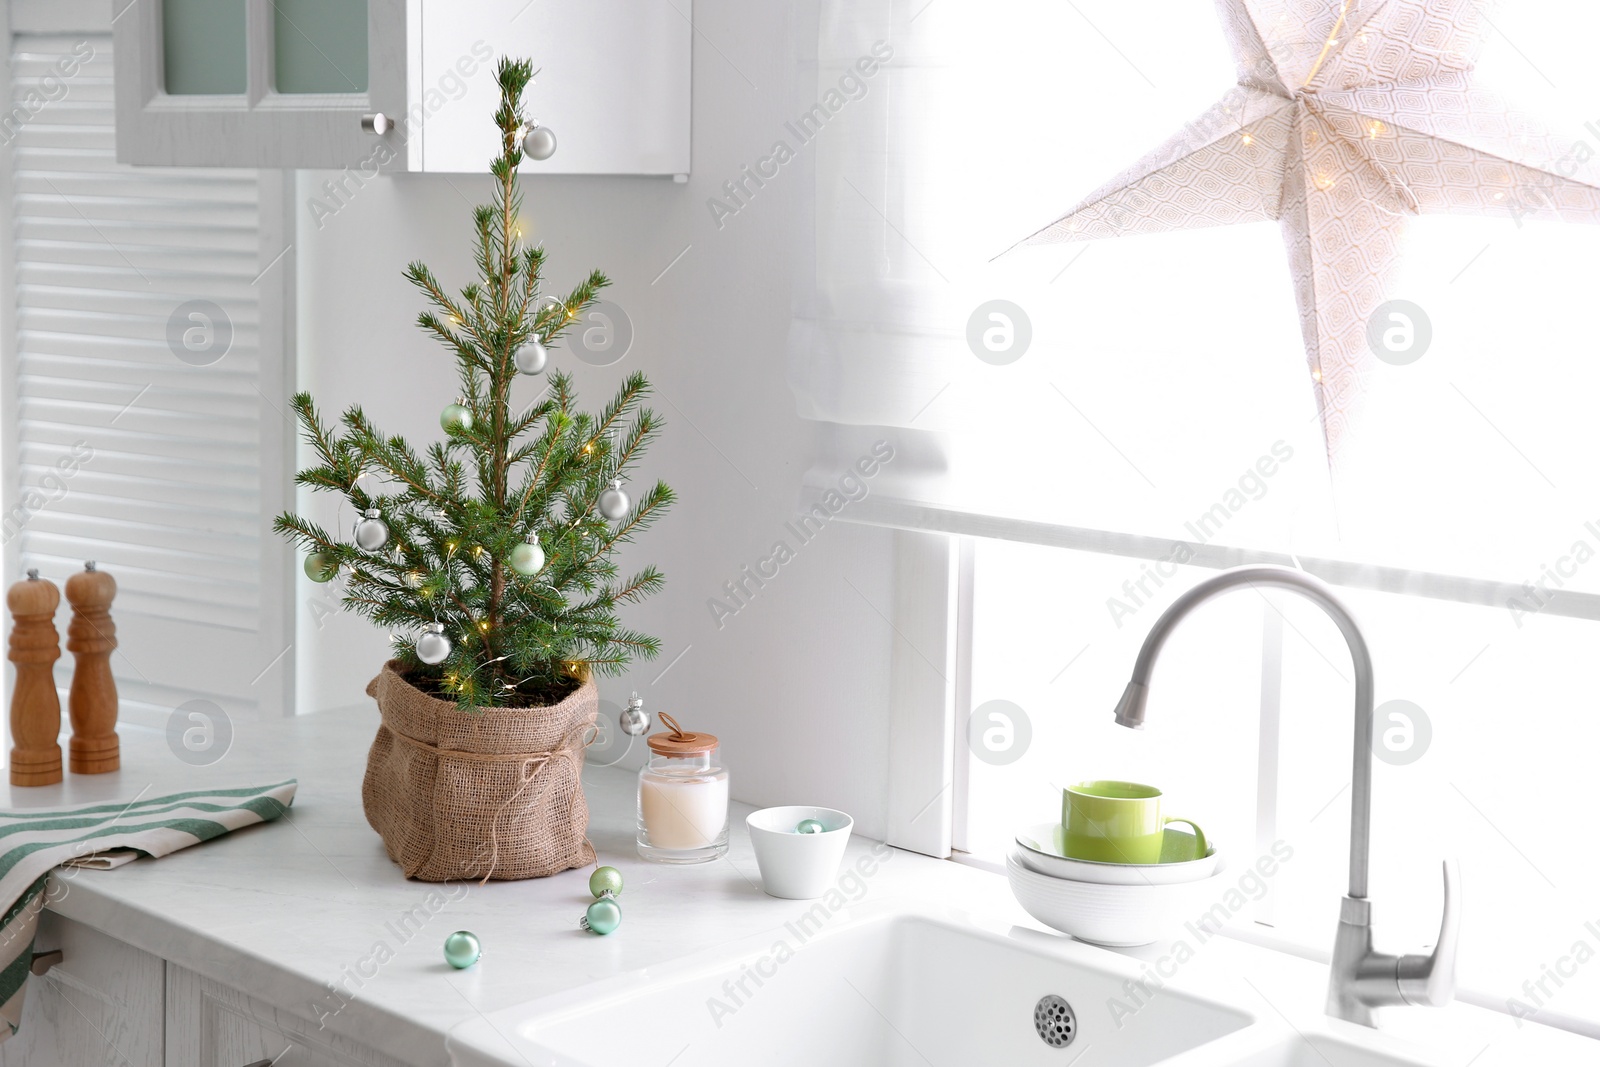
{"x":178,"y":467}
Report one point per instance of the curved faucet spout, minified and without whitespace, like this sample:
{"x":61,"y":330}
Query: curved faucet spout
{"x":1130,"y":709}
{"x":1360,"y":978}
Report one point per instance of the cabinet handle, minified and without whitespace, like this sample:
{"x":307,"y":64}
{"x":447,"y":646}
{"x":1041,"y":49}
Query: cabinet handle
{"x":379,"y":123}
{"x":260,"y":1063}
{"x":43,"y":961}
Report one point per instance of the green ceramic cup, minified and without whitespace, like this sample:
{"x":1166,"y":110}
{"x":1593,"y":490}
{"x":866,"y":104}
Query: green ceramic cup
{"x":1117,"y":822}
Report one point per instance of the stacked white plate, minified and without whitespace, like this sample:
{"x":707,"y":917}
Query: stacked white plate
{"x":1116,"y":904}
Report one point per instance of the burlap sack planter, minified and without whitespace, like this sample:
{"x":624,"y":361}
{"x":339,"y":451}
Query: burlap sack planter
{"x":473,"y":795}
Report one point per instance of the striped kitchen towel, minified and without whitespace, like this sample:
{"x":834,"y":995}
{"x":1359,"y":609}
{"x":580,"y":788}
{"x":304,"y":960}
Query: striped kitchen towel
{"x":35,"y":841}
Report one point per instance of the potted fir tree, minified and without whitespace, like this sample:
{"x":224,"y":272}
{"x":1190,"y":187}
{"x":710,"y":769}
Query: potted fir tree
{"x":489,"y":556}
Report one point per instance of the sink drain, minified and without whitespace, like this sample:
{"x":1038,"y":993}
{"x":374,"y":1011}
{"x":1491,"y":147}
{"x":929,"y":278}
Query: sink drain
{"x":1054,"y":1020}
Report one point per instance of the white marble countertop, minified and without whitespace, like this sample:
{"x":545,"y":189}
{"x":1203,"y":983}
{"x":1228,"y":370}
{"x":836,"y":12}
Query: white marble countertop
{"x":284,"y":910}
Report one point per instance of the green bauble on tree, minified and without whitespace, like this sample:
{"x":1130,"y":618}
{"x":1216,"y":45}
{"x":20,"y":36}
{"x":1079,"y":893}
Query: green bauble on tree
{"x":457,"y":417}
{"x":528,"y":557}
{"x":498,"y":534}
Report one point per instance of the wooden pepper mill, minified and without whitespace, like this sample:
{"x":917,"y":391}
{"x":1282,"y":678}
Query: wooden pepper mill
{"x":35,"y":707}
{"x":92,"y":701}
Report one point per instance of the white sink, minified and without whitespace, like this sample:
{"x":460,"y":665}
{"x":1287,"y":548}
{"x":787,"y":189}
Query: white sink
{"x":895,"y":991}
{"x":913,"y":985}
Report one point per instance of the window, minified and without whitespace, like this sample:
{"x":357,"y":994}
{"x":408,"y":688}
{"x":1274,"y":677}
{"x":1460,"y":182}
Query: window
{"x":1504,"y":735}
{"x":1162,"y":423}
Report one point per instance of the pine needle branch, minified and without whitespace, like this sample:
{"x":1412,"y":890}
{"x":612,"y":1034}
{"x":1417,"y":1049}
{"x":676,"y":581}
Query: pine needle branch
{"x":459,"y":509}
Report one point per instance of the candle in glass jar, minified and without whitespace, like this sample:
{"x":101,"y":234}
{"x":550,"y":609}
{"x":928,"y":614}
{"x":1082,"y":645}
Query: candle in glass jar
{"x":683,"y":798}
{"x":686,"y":813}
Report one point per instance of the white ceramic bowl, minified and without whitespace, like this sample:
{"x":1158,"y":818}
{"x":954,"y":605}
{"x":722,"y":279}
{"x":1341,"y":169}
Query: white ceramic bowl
{"x":1039,"y":848}
{"x":798,"y":866}
{"x":1119,"y":916}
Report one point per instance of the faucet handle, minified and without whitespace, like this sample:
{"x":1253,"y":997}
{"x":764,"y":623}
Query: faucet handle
{"x":1431,"y":979}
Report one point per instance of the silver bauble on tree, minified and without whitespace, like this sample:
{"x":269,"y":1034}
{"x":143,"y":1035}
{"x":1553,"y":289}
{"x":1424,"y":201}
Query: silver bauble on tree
{"x":433,"y":646}
{"x":372,"y":533}
{"x":634,"y":720}
{"x":614,"y":503}
{"x":532,"y":356}
{"x":539,"y":142}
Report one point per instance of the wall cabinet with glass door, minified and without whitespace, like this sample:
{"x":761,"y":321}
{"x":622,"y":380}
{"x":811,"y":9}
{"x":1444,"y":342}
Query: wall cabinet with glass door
{"x":399,"y":85}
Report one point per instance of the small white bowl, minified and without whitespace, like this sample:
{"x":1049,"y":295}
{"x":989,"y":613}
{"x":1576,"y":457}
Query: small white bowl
{"x":798,"y":866}
{"x":1118,"y":916}
{"x":1039,"y":849}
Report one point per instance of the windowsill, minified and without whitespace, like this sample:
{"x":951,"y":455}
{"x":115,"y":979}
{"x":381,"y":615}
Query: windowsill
{"x":900,"y":513}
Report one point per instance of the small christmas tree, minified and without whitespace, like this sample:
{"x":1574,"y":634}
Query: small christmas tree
{"x":491,"y":558}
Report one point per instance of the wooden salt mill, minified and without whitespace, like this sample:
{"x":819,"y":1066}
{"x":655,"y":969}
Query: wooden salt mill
{"x":92,"y":701}
{"x":35,"y":707}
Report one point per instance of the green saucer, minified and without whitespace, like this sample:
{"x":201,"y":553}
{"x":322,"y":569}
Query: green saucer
{"x":1177,"y":846}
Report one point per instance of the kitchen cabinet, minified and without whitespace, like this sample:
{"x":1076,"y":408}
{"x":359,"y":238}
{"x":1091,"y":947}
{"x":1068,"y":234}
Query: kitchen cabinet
{"x":394,"y":86}
{"x":109,"y":1003}
{"x":101,"y":1004}
{"x":212,"y":1025}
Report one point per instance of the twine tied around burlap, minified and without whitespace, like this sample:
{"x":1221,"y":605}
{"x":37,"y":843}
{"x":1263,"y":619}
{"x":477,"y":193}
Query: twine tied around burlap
{"x":441,"y":784}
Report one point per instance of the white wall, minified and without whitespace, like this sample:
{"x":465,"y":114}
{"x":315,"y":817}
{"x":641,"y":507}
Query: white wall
{"x":796,"y":683}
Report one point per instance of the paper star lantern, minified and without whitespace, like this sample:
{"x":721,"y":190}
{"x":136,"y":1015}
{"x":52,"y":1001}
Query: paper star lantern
{"x":1347,"y":118}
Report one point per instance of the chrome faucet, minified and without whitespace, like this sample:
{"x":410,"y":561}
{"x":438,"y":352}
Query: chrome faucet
{"x":1360,"y":978}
